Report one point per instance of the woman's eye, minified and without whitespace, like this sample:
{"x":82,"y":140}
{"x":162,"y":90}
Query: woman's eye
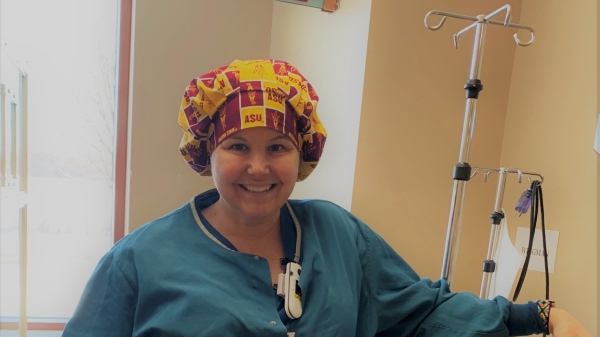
{"x":237,"y":147}
{"x":276,"y":147}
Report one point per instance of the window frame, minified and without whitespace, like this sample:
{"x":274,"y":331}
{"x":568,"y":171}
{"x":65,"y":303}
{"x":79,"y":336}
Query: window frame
{"x":121,"y":151}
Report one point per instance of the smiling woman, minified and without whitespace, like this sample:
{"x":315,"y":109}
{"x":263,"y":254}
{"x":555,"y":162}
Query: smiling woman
{"x":64,"y":54}
{"x":244,"y":260}
{"x":255,"y":170}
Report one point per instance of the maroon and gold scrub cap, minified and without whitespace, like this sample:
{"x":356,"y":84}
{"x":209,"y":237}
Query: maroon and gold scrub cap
{"x":246,"y":94}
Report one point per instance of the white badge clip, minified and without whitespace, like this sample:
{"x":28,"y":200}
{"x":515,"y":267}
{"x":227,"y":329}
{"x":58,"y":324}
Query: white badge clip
{"x":288,"y":288}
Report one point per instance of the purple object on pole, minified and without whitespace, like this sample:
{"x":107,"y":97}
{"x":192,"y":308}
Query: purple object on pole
{"x":524,"y":202}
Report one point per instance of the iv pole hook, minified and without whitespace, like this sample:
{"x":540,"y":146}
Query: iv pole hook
{"x":481,"y":18}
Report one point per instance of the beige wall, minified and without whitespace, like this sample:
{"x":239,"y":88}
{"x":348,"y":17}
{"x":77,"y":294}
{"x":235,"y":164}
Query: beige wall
{"x":330,"y":51}
{"x":175,"y":41}
{"x":411,"y":126}
{"x":550,"y":127}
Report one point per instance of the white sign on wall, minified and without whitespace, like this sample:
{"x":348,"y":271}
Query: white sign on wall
{"x":537,"y":253}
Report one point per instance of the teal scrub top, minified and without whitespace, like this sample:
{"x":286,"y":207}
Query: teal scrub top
{"x":177,"y":276}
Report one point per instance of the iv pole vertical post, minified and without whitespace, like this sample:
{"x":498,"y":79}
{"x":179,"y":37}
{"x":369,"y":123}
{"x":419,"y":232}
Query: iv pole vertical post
{"x":462,"y":171}
{"x":489,"y":265}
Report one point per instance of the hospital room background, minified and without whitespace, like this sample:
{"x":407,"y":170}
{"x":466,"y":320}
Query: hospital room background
{"x":392,"y":100}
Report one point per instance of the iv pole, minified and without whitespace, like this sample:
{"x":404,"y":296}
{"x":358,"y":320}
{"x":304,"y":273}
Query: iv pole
{"x":489,"y":265}
{"x":462,"y":171}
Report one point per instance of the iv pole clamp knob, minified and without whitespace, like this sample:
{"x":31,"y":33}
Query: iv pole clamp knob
{"x":497,"y":217}
{"x":462,"y":171}
{"x":473,"y":87}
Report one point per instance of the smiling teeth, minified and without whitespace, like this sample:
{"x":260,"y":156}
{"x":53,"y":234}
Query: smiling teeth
{"x":257,"y":188}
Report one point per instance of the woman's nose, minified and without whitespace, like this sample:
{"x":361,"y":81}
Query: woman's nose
{"x":258,"y":164}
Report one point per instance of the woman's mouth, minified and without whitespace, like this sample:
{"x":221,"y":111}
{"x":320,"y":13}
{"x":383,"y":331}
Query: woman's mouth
{"x":258,"y":188}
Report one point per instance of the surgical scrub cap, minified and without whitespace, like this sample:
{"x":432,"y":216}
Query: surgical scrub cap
{"x":246,"y":94}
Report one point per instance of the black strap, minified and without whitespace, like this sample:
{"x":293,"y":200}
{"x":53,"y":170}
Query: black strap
{"x":536,"y":204}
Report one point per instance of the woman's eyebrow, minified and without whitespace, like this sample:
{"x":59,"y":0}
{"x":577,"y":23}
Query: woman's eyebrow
{"x":279,"y":137}
{"x":237,"y":137}
{"x":271,"y":140}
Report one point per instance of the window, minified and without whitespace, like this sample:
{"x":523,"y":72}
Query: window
{"x":64,"y":76}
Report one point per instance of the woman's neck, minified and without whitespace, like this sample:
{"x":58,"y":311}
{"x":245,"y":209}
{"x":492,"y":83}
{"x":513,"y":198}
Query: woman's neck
{"x":262,"y":238}
{"x":240,"y":229}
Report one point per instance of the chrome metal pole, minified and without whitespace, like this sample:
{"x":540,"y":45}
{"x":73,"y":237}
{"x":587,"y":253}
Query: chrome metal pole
{"x":462,"y":171}
{"x":489,"y":265}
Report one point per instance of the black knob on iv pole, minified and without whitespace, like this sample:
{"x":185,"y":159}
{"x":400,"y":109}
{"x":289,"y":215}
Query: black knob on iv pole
{"x":489,"y":265}
{"x":473,"y":87}
{"x":462,"y":171}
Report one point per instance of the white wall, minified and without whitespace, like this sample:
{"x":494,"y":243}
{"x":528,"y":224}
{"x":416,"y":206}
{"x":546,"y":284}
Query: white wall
{"x":174,"y":41}
{"x":330,"y":50}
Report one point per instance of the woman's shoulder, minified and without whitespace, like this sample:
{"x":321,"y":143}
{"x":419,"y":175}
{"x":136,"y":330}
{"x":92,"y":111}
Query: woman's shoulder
{"x":146,"y":236}
{"x":320,"y":207}
{"x":317,"y":211}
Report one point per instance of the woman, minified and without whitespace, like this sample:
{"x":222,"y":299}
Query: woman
{"x":243,"y":260}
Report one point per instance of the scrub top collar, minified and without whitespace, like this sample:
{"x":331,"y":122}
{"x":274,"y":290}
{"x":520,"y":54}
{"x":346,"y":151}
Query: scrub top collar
{"x":289,"y":226}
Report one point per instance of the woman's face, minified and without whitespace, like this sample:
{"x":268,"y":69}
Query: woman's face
{"x":255,"y":171}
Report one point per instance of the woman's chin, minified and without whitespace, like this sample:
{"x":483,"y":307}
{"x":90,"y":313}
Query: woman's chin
{"x":259,"y":213}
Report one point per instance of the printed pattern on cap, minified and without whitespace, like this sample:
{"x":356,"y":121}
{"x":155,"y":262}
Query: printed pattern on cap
{"x":246,"y":94}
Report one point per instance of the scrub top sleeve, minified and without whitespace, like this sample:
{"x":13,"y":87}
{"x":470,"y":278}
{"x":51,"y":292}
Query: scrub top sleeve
{"x":400,"y":299}
{"x":524,"y":319}
{"x":407,"y":305}
{"x":107,"y":305}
